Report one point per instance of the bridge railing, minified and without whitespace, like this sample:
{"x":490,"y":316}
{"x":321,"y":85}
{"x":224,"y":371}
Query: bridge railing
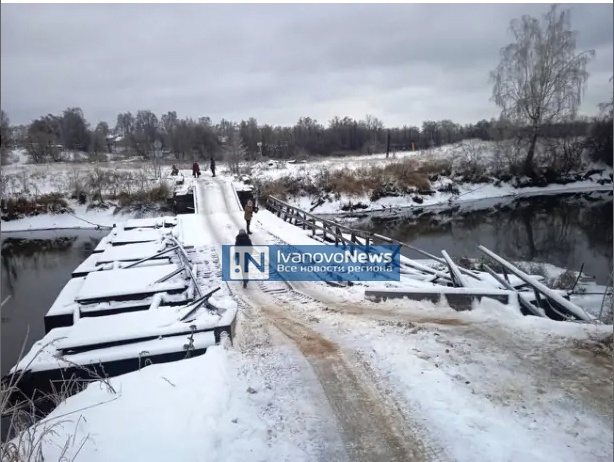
{"x":341,"y":234}
{"x":335,"y":232}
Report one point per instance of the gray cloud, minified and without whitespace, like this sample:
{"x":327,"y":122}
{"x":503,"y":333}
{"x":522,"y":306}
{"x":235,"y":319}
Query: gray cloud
{"x":402,"y":63}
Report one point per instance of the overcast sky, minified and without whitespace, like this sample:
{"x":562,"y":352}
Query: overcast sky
{"x":402,"y":63}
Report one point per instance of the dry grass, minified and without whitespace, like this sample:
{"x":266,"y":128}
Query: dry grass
{"x":27,"y":435}
{"x":13,"y":208}
{"x":155,"y":194}
{"x":564,"y":281}
{"x":534,"y":269}
{"x":285,"y":187}
{"x":392,"y":179}
{"x":130,"y":187}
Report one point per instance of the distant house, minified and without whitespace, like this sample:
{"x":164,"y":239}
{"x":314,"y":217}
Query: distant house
{"x":113,"y":141}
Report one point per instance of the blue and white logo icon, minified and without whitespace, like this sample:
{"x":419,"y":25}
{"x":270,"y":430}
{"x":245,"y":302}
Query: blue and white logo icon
{"x":251,"y":263}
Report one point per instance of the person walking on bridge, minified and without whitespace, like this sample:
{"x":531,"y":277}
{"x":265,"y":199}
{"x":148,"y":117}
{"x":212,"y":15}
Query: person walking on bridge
{"x":249,"y":213}
{"x":196,"y":170}
{"x":243,"y":240}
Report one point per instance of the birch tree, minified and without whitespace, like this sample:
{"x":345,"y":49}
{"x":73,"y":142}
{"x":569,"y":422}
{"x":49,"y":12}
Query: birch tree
{"x":540,"y":78}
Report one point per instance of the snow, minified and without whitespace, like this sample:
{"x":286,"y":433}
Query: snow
{"x":132,"y":252}
{"x":117,"y":283}
{"x":483,"y":382}
{"x":58,"y":177}
{"x":126,"y":326}
{"x":486,"y":384}
{"x":143,"y":303}
{"x":191,"y":232}
{"x":27,"y":180}
{"x":552,"y":294}
{"x":94,"y":263}
{"x":159,"y":322}
{"x":18,"y":157}
{"x":81,"y":219}
{"x":65,"y":301}
{"x":452,"y":290}
{"x":43,"y":358}
{"x":117,"y":237}
{"x":454,"y":403}
{"x":156,"y":222}
{"x":468,"y":192}
{"x":194,"y":409}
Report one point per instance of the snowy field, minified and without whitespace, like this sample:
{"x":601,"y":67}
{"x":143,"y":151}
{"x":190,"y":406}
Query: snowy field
{"x":32,"y":180}
{"x":61,"y":178}
{"x":318,"y":373}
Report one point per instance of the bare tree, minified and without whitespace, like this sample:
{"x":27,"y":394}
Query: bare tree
{"x":146,"y":132}
{"x":98,"y":141}
{"x":125,"y":128}
{"x":74,"y":130}
{"x":235,"y":152}
{"x":540,"y":78}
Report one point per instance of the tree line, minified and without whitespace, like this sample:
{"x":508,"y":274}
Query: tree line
{"x":47,"y":137}
{"x":537,"y":84}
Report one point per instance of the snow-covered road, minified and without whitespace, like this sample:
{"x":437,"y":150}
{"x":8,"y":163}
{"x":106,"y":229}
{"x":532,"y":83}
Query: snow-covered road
{"x":368,"y":426}
{"x":524,"y":375}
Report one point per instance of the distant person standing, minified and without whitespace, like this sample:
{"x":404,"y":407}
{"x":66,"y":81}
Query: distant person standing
{"x":213,"y":167}
{"x":249,"y":213}
{"x":243,"y":240}
{"x":195,"y":170}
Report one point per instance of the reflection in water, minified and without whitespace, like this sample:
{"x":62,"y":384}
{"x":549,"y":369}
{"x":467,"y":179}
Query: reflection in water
{"x":563,"y":230}
{"x":35,"y":268}
{"x":17,"y":253}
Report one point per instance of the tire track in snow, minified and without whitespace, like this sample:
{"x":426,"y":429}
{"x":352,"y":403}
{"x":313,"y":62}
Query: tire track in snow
{"x":312,"y":431}
{"x":371,"y":430}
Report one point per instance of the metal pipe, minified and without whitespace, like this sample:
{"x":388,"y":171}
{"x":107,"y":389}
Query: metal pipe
{"x":454,"y":272}
{"x":526,"y":304}
{"x":170,"y":275}
{"x":187,"y":265}
{"x":149,"y":258}
{"x":572,"y":308}
{"x":197,"y":303}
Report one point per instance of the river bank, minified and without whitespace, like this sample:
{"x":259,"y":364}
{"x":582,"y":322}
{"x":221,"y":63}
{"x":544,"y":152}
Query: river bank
{"x":438,"y":178}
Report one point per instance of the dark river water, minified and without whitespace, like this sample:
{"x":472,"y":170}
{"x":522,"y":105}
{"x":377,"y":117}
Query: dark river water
{"x":565,"y":231}
{"x":35,"y":267}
